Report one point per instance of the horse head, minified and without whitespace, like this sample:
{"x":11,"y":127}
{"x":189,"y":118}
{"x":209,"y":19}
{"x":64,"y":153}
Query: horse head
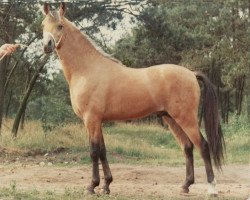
{"x":53,"y":27}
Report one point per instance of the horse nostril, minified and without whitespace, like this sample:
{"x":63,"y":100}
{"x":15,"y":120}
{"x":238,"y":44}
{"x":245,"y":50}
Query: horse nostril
{"x":50,"y":43}
{"x":45,"y":49}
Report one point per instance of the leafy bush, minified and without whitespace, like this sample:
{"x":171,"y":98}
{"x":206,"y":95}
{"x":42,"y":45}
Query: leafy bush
{"x":56,"y":113}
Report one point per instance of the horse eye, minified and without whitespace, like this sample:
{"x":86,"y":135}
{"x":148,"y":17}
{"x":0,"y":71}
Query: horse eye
{"x":60,"y":27}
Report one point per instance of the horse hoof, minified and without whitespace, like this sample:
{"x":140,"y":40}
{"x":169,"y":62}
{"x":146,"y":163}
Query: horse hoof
{"x":105,"y":190}
{"x":212,"y":192}
{"x":90,"y":190}
{"x":184,"y":190}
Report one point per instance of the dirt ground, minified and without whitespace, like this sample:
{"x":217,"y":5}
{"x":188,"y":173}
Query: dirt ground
{"x":158,"y":182}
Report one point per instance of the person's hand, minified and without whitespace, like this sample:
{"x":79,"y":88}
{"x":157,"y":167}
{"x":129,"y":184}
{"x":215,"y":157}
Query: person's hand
{"x":7,"y":49}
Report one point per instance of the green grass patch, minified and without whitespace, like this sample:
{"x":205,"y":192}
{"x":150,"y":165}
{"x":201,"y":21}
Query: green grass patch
{"x":126,"y":143}
{"x":68,"y":194}
{"x":77,"y":194}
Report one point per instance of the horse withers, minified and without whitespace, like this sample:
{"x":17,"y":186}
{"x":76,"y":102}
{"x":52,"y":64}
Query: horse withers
{"x":102,"y":89}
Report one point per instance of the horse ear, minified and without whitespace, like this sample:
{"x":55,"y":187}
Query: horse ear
{"x":62,"y":9}
{"x":46,"y":8}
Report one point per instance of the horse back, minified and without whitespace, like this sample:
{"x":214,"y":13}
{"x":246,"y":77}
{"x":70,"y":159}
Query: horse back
{"x":134,"y":93}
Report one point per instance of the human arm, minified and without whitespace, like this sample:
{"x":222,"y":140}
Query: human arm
{"x":7,"y":49}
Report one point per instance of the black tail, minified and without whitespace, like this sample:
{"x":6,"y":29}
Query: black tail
{"x":212,"y":122}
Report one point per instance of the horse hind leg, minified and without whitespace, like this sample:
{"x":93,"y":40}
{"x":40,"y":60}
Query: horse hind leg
{"x":191,"y":128}
{"x":187,"y":147}
{"x":208,"y":166}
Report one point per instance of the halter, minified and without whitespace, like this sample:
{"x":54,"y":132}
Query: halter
{"x":56,"y":43}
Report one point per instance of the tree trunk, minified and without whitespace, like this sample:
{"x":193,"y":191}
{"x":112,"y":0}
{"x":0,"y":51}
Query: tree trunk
{"x":248,"y":95}
{"x":8,"y":104}
{"x":248,"y":75}
{"x":4,"y":64}
{"x":23,"y":104}
{"x":23,"y":119}
{"x":26,"y":87}
{"x":239,"y":93}
{"x":227,"y":102}
{"x":2,"y":80}
{"x":3,"y":71}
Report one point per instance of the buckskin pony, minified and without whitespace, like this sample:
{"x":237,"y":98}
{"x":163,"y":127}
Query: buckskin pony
{"x":102,"y":89}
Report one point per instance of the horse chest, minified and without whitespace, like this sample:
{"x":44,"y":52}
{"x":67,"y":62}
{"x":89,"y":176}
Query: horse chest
{"x":78,"y":104}
{"x":83,"y":99}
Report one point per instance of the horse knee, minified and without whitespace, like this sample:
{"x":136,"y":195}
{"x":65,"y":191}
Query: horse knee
{"x":103,"y":156}
{"x":94,"y":152}
{"x":188,"y":149}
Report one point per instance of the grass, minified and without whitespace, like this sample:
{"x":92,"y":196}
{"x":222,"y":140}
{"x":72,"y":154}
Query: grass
{"x":237,"y":137}
{"x":126,"y":143}
{"x":34,"y":138}
{"x":69,"y":194}
{"x":76,"y":194}
{"x":12,"y":193}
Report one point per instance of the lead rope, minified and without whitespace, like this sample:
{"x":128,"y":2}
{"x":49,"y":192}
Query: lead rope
{"x":21,"y":45}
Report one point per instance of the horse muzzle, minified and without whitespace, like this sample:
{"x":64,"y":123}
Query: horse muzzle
{"x":49,"y":47}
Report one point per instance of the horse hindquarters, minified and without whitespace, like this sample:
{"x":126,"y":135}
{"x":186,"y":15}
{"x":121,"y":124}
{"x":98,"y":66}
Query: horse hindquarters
{"x":184,"y":114}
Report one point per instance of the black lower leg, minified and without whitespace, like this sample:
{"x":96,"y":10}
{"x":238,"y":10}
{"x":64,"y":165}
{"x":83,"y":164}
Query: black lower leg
{"x":106,"y":170}
{"x":188,"y":149}
{"x":94,"y":154}
{"x":207,"y":160}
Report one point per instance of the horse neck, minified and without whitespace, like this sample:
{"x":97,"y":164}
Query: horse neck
{"x":77,"y":54}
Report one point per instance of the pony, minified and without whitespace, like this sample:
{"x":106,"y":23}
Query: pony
{"x":102,"y":89}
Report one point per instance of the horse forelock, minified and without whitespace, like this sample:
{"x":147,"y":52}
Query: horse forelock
{"x":54,"y":15}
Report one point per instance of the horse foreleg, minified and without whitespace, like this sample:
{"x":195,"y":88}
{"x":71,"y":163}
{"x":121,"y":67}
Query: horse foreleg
{"x":94,"y":131}
{"x":94,"y":154}
{"x":105,"y":166}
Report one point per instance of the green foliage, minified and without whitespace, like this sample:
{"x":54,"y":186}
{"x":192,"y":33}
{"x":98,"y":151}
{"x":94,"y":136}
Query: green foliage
{"x":162,"y":35}
{"x":210,"y":36}
{"x":56,"y":108}
{"x":55,"y":113}
{"x":238,"y":124}
{"x":13,"y":187}
{"x":237,"y":139}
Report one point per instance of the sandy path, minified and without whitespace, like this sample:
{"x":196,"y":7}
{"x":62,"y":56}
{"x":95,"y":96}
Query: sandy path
{"x":156,"y":181}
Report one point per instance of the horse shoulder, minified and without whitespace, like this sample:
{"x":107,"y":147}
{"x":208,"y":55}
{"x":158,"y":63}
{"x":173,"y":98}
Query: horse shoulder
{"x":79,"y":95}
